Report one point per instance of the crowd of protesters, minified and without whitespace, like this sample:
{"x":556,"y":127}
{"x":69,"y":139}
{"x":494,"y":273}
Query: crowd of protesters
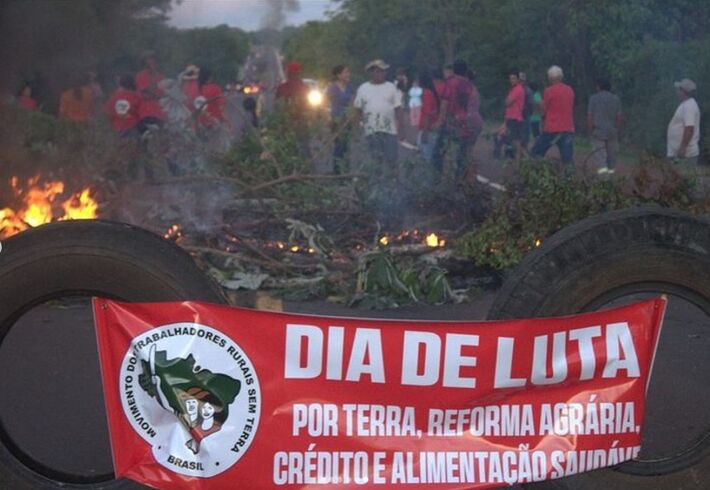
{"x":443,"y":106}
{"x":141,"y":101}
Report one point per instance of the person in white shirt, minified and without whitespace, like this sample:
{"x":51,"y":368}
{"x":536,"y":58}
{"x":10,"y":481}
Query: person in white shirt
{"x":684,"y":129}
{"x":380,"y":106}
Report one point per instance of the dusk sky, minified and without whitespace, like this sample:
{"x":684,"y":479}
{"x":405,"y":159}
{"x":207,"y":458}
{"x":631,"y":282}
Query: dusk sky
{"x":245,"y":14}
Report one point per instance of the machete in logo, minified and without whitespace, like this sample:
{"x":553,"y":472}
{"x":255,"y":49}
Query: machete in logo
{"x":193,"y":395}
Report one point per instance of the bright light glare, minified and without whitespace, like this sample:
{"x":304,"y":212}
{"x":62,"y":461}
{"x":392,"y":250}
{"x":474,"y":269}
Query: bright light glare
{"x":315,"y":97}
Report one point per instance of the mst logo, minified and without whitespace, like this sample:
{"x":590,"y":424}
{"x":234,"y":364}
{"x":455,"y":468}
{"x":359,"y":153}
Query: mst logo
{"x":193,"y":395}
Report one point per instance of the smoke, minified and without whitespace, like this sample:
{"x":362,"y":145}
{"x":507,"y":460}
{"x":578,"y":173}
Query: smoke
{"x":275,"y":16}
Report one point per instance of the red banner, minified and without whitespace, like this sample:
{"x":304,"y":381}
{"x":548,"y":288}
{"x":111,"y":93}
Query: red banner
{"x":207,"y":396}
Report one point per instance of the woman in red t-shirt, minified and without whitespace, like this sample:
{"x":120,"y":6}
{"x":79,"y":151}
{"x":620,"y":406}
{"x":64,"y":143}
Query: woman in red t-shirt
{"x":123,"y":107}
{"x":426,"y":139}
{"x":24,"y":97}
{"x":211,"y":100}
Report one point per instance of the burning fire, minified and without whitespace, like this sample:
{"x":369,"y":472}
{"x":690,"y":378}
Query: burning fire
{"x":80,"y":206}
{"x":412,"y":237}
{"x":433,"y":241}
{"x":173,"y":232}
{"x":40,"y":205}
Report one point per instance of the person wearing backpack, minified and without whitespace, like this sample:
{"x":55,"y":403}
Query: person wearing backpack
{"x":457,"y":122}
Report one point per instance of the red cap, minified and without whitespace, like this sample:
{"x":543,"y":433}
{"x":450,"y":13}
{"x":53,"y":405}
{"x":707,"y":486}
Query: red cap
{"x":293,"y":67}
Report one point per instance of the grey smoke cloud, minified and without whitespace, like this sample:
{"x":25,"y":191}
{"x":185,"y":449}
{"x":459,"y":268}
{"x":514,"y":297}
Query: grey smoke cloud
{"x":275,"y":17}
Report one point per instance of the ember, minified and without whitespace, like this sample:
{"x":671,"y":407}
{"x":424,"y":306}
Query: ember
{"x":432,"y":240}
{"x":412,"y":237}
{"x":40,"y":205}
{"x":173,"y":232}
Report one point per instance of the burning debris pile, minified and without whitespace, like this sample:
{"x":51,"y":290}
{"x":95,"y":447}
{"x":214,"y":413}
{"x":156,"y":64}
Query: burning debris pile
{"x":307,"y":236}
{"x":40,"y":202}
{"x":266,"y":219}
{"x":363,"y":267}
{"x":261,"y":216}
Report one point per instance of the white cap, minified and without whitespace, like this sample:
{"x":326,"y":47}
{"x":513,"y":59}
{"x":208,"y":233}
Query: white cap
{"x":686,"y":85}
{"x":555,"y":72}
{"x":376,"y":64}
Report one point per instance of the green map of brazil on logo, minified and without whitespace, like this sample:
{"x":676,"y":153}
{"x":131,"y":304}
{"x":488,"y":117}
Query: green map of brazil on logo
{"x":198,"y":397}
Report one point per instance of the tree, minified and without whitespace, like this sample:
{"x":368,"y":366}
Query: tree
{"x":641,"y":45}
{"x":52,"y":41}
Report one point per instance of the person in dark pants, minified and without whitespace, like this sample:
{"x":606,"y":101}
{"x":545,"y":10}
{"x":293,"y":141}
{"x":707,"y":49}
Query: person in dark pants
{"x":603,"y":125}
{"x":379,"y":103}
{"x":457,"y":123}
{"x":528,"y":110}
{"x":340,"y":94}
{"x":557,"y":107}
{"x":514,"y":126}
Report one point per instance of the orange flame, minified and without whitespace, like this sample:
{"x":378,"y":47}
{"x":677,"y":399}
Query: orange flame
{"x":174,"y":232}
{"x":39,"y":206}
{"x":80,"y":206}
{"x":432,"y":240}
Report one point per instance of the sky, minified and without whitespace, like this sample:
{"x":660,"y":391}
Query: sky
{"x":245,"y":14}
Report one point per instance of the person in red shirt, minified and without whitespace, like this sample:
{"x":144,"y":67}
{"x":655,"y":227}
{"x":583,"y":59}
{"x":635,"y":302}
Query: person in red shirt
{"x":123,"y":107}
{"x":150,"y":112}
{"x":293,"y":92}
{"x":211,"y":100}
{"x":455,"y":119}
{"x":427,"y":137}
{"x":558,"y":109}
{"x":439,"y":82}
{"x":24,"y":97}
{"x":514,"y":126}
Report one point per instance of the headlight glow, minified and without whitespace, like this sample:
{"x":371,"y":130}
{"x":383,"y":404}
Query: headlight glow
{"x":315,"y":97}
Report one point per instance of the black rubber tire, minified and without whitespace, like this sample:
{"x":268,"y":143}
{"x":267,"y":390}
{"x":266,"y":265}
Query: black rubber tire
{"x":575,"y":269}
{"x":96,"y":257}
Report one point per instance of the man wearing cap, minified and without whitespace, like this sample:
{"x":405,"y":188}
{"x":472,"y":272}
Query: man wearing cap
{"x":189,"y":85}
{"x":684,"y":129}
{"x":294,"y":90}
{"x":379,"y":103}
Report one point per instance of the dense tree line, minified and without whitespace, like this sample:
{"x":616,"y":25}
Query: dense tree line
{"x":51,"y":42}
{"x":641,"y":45}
